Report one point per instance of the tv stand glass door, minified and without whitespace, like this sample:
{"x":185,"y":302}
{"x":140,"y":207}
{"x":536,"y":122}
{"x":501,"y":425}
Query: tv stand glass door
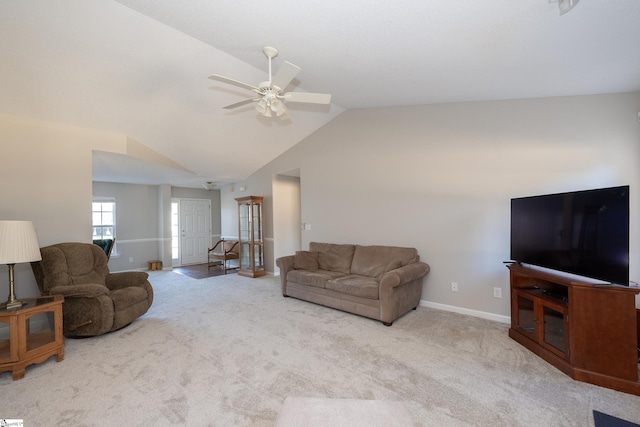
{"x":542,"y":320}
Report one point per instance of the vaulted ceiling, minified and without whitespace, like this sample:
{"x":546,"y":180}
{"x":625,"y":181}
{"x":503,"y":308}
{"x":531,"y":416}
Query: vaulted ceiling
{"x":139,"y":67}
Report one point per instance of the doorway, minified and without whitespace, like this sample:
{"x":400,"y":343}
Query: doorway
{"x":287,"y":232}
{"x":191,"y":231}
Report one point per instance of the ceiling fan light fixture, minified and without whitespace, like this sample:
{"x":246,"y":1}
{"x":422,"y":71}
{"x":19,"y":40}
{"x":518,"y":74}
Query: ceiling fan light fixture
{"x":263,"y":108}
{"x":209,"y":185}
{"x":278,"y":107}
{"x":565,"y":5}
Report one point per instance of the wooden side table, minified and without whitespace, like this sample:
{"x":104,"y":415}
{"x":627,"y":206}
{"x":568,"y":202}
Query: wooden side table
{"x":31,"y":334}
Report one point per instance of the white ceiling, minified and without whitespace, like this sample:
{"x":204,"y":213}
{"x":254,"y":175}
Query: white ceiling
{"x":139,"y":67}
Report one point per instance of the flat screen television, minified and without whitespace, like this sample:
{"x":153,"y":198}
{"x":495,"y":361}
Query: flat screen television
{"x":582,"y":232}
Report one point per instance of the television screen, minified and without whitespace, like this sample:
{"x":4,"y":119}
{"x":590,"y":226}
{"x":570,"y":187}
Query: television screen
{"x":582,"y":232}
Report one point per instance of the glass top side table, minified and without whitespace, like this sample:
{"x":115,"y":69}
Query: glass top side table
{"x":31,"y":334}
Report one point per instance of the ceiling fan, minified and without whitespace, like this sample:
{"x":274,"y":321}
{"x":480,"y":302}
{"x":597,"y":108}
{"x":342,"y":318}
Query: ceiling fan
{"x":270,"y":96}
{"x":565,"y":5}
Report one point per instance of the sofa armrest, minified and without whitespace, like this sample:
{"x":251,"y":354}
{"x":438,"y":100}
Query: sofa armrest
{"x":285,"y":264}
{"x":400,"y":290}
{"x":125,"y":279}
{"x":89,"y":290}
{"x":403,"y":275}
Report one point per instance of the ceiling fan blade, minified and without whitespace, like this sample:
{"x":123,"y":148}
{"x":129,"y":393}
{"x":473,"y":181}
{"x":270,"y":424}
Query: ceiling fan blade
{"x":312,"y":98}
{"x":241,"y":103}
{"x":232,"y":82}
{"x":285,"y":74}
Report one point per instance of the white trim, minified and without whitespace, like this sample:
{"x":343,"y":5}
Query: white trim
{"x":132,"y":241}
{"x":154,"y":239}
{"x":104,"y":199}
{"x":228,"y":237}
{"x":466,"y":311}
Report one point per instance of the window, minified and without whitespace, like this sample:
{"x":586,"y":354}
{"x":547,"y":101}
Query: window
{"x":104,"y":218}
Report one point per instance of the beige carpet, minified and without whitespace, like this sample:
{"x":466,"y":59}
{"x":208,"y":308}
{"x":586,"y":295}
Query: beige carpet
{"x":320,"y":412}
{"x":228,"y":351}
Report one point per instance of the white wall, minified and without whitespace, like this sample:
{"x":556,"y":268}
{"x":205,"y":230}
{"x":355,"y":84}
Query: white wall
{"x":286,"y":216}
{"x":45,"y":177}
{"x":143,"y":221}
{"x":137,"y":224}
{"x":229,"y":212}
{"x":440,"y":178}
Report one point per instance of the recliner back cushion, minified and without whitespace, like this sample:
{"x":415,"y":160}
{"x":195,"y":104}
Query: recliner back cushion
{"x":73,"y":264}
{"x":333,"y":257}
{"x":374,"y":261}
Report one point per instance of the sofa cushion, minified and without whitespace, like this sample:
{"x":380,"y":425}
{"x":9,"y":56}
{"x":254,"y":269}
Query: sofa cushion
{"x":316,"y":278}
{"x":305,"y":260}
{"x":360,"y":286}
{"x":374,"y":261}
{"x":333,"y":257}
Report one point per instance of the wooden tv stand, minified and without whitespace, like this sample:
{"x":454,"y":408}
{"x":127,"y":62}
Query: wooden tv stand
{"x":587,"y":331}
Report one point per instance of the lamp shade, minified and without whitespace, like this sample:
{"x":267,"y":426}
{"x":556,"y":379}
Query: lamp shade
{"x":18,"y":242}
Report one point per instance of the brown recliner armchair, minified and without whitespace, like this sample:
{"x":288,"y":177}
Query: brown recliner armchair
{"x":96,"y":301}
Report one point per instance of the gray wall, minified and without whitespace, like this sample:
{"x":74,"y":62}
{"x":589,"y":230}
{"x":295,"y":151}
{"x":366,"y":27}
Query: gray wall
{"x":46,"y":177}
{"x":440,"y":178}
{"x":140,"y":216}
{"x":435,"y":177}
{"x":137,"y":224}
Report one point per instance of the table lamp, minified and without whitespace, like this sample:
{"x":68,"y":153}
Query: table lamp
{"x":18,"y":243}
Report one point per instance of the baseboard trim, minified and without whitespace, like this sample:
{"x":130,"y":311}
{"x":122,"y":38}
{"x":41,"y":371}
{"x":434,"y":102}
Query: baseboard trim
{"x":468,"y":312}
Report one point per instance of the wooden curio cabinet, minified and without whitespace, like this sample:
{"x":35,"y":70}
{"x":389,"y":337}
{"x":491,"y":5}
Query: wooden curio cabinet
{"x":250,"y":236}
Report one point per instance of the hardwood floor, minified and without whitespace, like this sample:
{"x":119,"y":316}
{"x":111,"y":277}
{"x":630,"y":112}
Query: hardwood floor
{"x":200,"y":271}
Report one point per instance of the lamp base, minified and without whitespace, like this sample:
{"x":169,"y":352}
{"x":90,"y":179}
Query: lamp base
{"x":12,"y":301}
{"x":11,"y":305}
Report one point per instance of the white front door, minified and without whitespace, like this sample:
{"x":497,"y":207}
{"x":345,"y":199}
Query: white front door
{"x":195,"y":231}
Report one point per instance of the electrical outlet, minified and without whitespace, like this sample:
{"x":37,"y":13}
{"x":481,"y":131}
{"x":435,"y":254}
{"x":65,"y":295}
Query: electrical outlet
{"x":454,"y":286}
{"x":497,"y":292}
{"x":130,"y":259}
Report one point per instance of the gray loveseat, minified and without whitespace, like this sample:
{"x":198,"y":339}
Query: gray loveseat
{"x":379,"y":282}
